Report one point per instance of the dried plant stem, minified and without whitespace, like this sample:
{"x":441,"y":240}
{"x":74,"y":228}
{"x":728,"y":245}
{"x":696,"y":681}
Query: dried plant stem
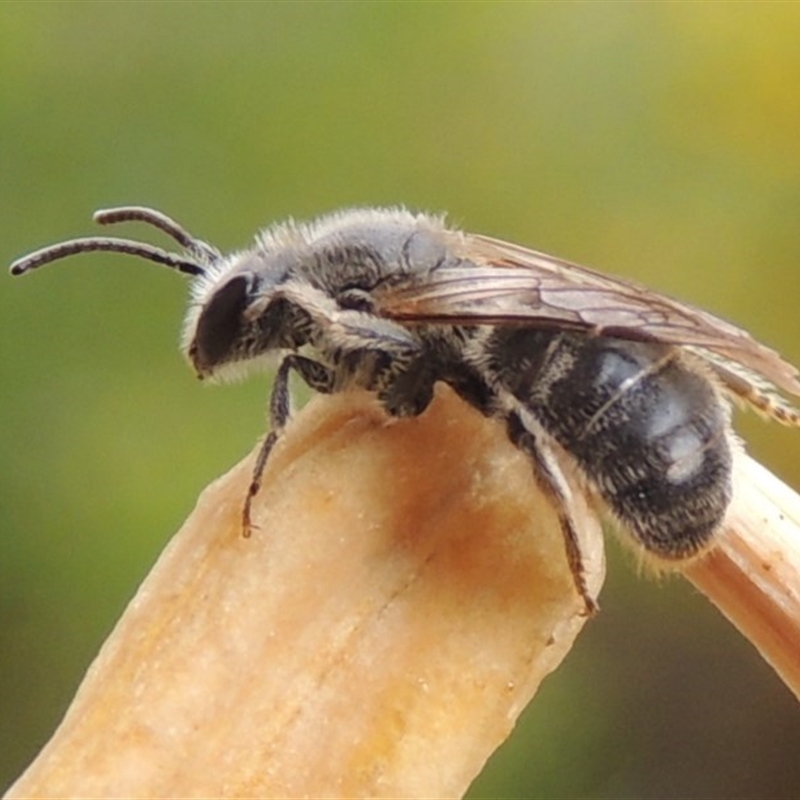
{"x":753,"y":575}
{"x":406,"y":592}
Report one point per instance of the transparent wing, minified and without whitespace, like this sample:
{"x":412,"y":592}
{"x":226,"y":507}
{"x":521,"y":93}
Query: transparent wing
{"x":494,"y":282}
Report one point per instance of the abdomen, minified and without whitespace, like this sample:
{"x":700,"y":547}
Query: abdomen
{"x":649,"y":431}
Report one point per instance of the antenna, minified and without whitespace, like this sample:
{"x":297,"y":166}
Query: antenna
{"x":200,"y":253}
{"x":197,"y":247}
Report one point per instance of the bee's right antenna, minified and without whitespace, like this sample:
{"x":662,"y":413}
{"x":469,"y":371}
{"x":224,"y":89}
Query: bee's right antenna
{"x":197,"y":247}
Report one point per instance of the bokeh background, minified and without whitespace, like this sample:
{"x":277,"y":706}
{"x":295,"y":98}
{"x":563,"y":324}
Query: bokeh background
{"x":656,"y":141}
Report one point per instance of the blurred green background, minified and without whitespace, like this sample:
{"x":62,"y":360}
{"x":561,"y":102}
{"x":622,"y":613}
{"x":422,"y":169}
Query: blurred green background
{"x":659,"y":142}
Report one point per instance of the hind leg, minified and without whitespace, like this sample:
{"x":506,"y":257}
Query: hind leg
{"x":552,"y":482}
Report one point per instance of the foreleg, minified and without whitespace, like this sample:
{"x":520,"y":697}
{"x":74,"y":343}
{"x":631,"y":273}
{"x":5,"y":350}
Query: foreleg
{"x":318,"y":377}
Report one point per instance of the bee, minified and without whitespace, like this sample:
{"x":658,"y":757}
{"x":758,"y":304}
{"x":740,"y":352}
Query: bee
{"x":632,"y":386}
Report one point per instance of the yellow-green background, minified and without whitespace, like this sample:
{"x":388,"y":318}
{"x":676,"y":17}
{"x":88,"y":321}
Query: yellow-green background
{"x":657,"y":141}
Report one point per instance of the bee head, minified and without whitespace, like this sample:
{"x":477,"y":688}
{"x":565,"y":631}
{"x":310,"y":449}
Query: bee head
{"x":235,"y":321}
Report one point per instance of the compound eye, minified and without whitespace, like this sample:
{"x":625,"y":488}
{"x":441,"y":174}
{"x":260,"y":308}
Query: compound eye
{"x":219,"y":325}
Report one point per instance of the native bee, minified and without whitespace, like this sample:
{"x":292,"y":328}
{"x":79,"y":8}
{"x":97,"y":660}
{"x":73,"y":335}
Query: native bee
{"x":633,"y":386}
